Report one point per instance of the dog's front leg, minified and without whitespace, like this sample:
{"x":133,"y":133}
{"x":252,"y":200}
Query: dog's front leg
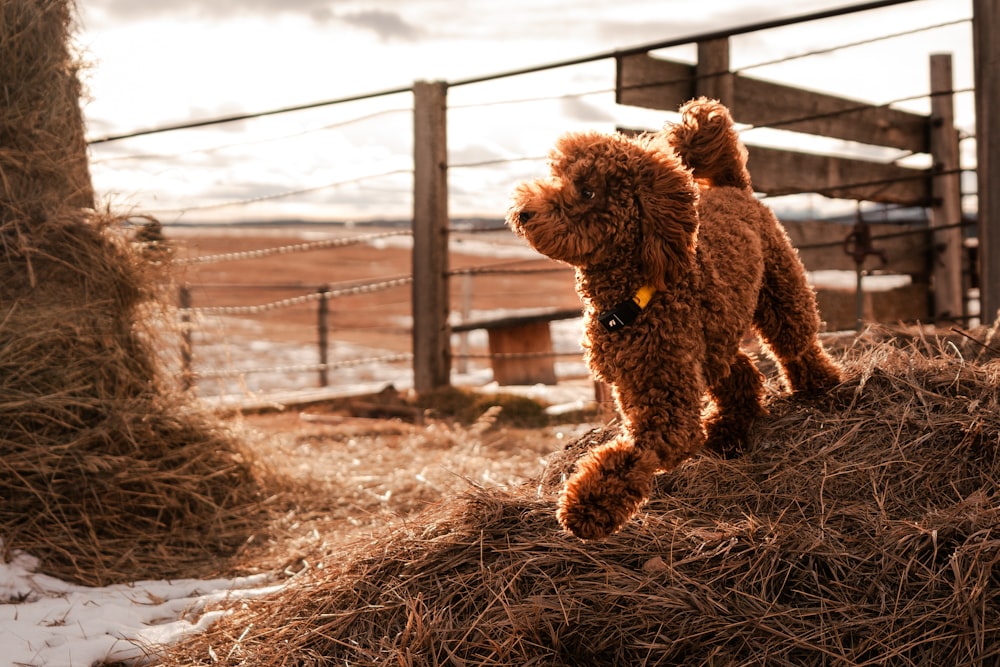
{"x":662,"y":427}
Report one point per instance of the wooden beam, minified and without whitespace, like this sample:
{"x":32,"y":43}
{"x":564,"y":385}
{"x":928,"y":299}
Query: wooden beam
{"x":985,"y":27}
{"x":766,"y":104}
{"x":655,"y":83}
{"x":712,"y":71}
{"x":781,"y":172}
{"x":431,"y":333}
{"x":946,"y":209}
{"x":515,"y":320}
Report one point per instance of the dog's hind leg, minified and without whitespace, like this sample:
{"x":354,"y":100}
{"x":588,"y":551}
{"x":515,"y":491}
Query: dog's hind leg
{"x":738,"y":401}
{"x":788,"y":322}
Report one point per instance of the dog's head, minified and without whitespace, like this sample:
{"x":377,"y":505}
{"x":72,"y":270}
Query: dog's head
{"x":611,"y":202}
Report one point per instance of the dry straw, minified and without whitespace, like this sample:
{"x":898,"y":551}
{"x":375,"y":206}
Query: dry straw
{"x":863,"y":529}
{"x":105,"y":473}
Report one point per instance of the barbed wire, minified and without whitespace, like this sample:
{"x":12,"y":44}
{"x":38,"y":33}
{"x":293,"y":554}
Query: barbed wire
{"x":190,"y":125}
{"x":682,"y":41}
{"x":701,"y":77}
{"x":386,"y":359}
{"x":312,"y":297}
{"x":357,"y":240}
{"x":254,"y":142}
{"x":280,"y":195}
{"x":889,"y":235}
{"x":287,"y":249}
{"x":496,"y":161}
{"x":919,"y":174}
{"x":851,"y":45}
{"x":333,"y":293}
{"x":303,"y":368}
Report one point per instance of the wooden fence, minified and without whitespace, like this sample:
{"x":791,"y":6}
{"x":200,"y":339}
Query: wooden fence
{"x":934,"y":253}
{"x":661,"y":84}
{"x":932,"y":256}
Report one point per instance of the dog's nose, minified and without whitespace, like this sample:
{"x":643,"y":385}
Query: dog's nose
{"x":523,"y":216}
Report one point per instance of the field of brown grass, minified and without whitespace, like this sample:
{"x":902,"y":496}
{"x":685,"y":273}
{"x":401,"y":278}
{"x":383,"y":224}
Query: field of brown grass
{"x":256,"y":281}
{"x":369,"y":325}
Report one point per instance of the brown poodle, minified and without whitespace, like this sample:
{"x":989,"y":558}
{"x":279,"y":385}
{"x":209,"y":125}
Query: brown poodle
{"x":675,"y":261}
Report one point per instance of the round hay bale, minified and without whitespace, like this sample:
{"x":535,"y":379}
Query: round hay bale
{"x":107,"y":473}
{"x":863,"y":528}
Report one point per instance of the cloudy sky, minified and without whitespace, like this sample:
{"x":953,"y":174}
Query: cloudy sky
{"x":154,"y":64}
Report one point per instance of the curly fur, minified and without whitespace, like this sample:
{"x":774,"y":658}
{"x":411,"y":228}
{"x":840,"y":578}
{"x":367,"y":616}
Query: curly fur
{"x":675,"y":211}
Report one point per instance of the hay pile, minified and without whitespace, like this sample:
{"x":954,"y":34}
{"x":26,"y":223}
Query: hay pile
{"x":106,"y":473}
{"x":862,"y":529}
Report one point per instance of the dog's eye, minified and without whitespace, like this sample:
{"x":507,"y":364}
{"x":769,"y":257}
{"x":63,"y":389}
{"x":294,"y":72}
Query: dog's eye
{"x":587,"y":194}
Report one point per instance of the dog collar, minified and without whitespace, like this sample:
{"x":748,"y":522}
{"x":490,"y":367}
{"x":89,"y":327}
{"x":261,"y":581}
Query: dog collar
{"x":625,"y":312}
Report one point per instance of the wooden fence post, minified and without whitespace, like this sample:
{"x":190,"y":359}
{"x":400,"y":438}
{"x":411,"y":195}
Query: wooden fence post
{"x":713,"y":78}
{"x":466,"y":311}
{"x":431,"y":331}
{"x":187,"y":377}
{"x":946,"y":189}
{"x":322,"y":324}
{"x":985,"y":25}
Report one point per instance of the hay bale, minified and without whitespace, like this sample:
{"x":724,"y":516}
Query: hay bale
{"x":43,"y":154}
{"x":107,"y":473}
{"x":862,"y":529}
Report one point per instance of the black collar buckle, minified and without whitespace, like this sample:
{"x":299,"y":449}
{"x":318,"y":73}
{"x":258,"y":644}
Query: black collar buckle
{"x":620,"y":316}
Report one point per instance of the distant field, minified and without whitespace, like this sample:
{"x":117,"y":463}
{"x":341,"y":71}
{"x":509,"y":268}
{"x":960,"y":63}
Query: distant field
{"x":374,"y":324}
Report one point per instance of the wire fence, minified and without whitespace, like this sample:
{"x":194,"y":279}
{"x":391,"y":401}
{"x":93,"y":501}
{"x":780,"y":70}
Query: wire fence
{"x":221,"y":354}
{"x":352,"y":330}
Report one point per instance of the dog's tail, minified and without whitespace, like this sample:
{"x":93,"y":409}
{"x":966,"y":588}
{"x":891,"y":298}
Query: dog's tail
{"x":709,"y":145}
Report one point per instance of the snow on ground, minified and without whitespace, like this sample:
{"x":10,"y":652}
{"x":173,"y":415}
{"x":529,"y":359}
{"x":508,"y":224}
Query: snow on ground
{"x":45,"y":622}
{"x":228,"y":342}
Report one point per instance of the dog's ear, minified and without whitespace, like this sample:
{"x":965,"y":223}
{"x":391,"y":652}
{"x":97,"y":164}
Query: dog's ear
{"x":667,"y":196}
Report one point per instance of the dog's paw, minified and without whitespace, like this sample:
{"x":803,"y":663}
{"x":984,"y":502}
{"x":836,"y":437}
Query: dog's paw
{"x":728,"y":436}
{"x":724,"y":446}
{"x":610,"y":485}
{"x":813,"y":373}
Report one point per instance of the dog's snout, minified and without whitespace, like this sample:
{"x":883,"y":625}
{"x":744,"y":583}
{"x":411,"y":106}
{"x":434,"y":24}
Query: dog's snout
{"x":523,"y":215}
